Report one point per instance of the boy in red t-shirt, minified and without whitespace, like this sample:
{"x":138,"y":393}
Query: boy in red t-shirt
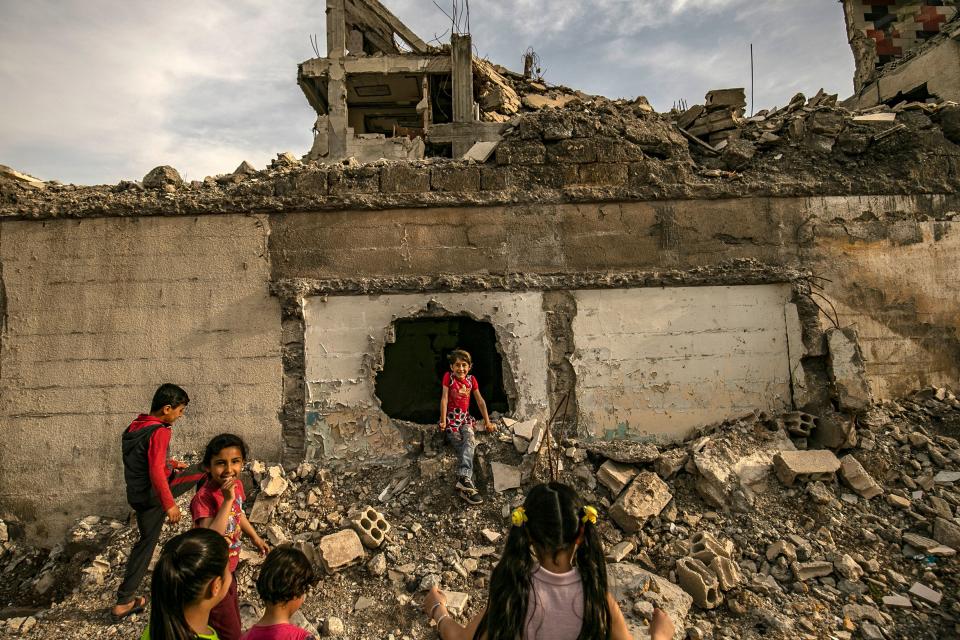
{"x":456,"y":421}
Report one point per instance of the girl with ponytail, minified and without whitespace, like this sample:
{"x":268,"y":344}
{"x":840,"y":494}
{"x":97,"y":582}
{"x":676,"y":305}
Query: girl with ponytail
{"x":551,"y":581}
{"x":191,"y":577}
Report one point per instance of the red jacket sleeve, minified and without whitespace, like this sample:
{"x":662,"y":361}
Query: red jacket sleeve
{"x":157,"y":463}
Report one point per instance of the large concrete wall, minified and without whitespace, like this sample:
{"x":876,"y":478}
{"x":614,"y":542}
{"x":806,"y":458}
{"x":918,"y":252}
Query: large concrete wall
{"x":661,"y":362}
{"x":344,"y":341}
{"x":98,"y":313}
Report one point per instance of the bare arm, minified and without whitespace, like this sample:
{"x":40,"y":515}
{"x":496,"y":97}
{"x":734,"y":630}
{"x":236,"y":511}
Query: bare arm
{"x":449,"y":629}
{"x":251,"y":533}
{"x":618,"y":626}
{"x":443,"y":407}
{"x":219,"y":522}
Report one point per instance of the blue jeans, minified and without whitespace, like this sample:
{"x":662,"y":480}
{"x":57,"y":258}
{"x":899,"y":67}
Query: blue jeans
{"x":464,"y":443}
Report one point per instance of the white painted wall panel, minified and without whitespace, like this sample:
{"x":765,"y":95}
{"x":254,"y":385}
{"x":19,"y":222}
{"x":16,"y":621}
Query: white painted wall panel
{"x":661,"y":362}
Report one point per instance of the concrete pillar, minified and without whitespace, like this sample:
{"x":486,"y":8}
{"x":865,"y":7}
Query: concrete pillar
{"x":462,"y":62}
{"x":336,"y":81}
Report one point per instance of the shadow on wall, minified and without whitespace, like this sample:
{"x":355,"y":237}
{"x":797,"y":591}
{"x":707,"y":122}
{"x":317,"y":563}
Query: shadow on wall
{"x":408,"y":386}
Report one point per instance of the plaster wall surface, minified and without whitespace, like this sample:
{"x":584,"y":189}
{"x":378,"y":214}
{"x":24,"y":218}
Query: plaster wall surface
{"x":343,"y":345}
{"x":99,"y":313}
{"x":659,"y":362}
{"x":900,"y":290}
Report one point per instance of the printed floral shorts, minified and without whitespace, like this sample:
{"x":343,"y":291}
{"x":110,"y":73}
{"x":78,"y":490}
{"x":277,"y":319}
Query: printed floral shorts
{"x":458,"y":418}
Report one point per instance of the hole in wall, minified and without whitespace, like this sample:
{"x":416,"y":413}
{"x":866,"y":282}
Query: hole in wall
{"x":408,"y":386}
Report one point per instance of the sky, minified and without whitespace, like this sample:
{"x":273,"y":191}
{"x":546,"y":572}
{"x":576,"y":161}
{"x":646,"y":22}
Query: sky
{"x":97,"y":91}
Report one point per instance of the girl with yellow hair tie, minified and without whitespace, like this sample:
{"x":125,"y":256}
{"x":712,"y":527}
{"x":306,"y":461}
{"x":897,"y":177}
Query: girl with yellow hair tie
{"x":559,"y":592}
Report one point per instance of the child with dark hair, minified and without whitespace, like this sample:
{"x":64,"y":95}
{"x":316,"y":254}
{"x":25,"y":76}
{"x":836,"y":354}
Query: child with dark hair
{"x":557,"y":593}
{"x":283,"y":583}
{"x":456,"y":421}
{"x":153,"y":482}
{"x":218,"y":505}
{"x":191,"y":577}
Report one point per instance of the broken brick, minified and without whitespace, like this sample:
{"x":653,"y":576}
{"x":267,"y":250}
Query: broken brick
{"x":615,"y":476}
{"x":805,"y":465}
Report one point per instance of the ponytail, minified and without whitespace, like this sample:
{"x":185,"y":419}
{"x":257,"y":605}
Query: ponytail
{"x":553,"y":518}
{"x":186,"y":566}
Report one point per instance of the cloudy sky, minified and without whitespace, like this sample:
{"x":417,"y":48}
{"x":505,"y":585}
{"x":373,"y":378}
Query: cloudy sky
{"x":95,"y":91}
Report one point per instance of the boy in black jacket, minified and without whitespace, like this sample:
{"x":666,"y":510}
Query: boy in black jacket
{"x":153,"y":481}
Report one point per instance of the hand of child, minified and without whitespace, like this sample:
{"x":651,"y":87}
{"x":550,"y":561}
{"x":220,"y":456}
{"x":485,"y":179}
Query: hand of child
{"x":173,"y":514}
{"x":443,"y":425}
{"x":229,"y":489}
{"x":432,"y":598}
{"x":261,"y":546}
{"x":661,"y":627}
{"x":490,"y":426}
{"x":178,"y":466}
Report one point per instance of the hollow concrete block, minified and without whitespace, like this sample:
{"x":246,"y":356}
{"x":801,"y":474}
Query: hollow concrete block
{"x":371,"y":526}
{"x":700,"y":582}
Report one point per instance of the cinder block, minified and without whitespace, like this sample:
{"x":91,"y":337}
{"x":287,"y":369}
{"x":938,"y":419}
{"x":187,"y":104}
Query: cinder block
{"x":371,"y":526}
{"x":340,"y":550}
{"x":798,"y":423}
{"x":700,"y":582}
{"x":727,"y":572}
{"x":615,"y":476}
{"x":857,"y":477}
{"x":805,"y":466}
{"x":704,"y":547}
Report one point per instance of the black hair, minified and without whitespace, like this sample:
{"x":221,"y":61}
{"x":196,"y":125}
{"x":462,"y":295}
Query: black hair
{"x":459,"y":354}
{"x":221,"y":442}
{"x":168,"y":394}
{"x":555,"y":522}
{"x":286,"y":574}
{"x":187,"y":564}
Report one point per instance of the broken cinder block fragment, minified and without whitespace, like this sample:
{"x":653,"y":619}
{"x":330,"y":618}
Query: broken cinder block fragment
{"x":646,"y":497}
{"x":805,"y":466}
{"x":700,"y":582}
{"x":371,"y":526}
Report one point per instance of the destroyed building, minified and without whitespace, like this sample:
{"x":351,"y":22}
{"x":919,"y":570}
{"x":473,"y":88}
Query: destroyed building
{"x":606,"y":263}
{"x":711,"y":324}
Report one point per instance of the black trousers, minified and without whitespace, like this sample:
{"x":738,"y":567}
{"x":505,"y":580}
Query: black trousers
{"x":150,"y":517}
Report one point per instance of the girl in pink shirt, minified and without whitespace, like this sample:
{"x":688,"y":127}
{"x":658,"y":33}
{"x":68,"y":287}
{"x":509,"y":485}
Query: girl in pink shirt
{"x":561,"y":594}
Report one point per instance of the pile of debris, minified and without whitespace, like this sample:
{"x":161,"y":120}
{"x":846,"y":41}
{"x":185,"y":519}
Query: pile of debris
{"x":743,"y":531}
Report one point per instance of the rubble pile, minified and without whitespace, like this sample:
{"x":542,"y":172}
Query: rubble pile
{"x":743,"y":531}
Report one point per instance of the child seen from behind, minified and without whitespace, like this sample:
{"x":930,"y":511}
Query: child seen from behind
{"x":283,"y":583}
{"x":190,"y":578}
{"x":456,"y":421}
{"x":559,"y":592}
{"x":218,"y":505}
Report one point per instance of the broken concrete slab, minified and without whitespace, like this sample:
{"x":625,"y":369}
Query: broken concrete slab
{"x":646,"y":497}
{"x":626,"y":581}
{"x":505,"y":476}
{"x":525,"y":429}
{"x":456,"y":602}
{"x":804,"y":466}
{"x":857,"y":477}
{"x":536,"y":440}
{"x":340,"y":550}
{"x":670,"y":462}
{"x":806,"y":570}
{"x":725,"y":99}
{"x":620,"y":551}
{"x":735,"y":472}
{"x":481,"y":151}
{"x":615,"y":476}
{"x":626,"y":451}
{"x":263,"y":507}
{"x":847,"y":370}
{"x":946,"y":532}
{"x":925,"y":593}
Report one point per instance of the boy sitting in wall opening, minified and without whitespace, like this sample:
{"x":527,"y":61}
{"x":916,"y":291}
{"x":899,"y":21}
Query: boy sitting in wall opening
{"x":456,"y":421}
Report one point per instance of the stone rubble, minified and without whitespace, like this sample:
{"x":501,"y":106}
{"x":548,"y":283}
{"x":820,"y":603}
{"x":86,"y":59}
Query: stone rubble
{"x":816,"y":559}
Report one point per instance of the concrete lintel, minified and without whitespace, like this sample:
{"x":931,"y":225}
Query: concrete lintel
{"x":466,"y":131}
{"x":718,"y":275}
{"x":399,"y":63}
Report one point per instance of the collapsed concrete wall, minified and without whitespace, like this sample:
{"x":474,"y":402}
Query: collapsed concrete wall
{"x":101,"y":311}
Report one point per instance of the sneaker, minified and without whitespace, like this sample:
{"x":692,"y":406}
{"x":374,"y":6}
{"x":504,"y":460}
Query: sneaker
{"x":471,"y":498}
{"x":466,"y":485}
